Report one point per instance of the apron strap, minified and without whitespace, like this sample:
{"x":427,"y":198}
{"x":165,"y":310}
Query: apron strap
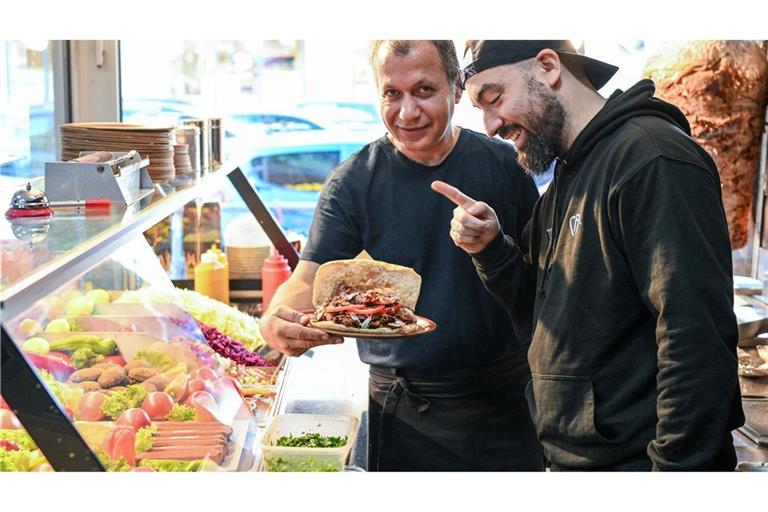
{"x":397,"y":388}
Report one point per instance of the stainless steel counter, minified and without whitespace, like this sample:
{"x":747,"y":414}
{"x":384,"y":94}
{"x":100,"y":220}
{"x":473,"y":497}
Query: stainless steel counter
{"x":330,"y":379}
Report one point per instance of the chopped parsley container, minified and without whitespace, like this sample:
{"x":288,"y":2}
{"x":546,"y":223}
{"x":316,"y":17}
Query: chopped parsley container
{"x":294,"y":458}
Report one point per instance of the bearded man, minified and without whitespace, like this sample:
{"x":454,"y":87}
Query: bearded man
{"x":625,"y":266}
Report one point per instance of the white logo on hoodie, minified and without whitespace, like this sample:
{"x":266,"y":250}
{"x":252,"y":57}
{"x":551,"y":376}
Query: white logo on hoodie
{"x":574,"y":223}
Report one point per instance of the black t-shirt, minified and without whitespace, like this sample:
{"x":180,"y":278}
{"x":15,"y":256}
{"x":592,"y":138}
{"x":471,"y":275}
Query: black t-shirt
{"x":380,"y":201}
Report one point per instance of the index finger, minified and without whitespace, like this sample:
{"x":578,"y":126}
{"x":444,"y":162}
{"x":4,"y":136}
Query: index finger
{"x":458,"y":197}
{"x":291,"y":315}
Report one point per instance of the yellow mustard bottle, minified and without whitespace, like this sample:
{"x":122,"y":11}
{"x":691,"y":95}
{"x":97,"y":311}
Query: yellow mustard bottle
{"x":222,"y":257}
{"x":212,"y":277}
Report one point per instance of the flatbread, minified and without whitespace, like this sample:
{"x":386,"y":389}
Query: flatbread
{"x":362,"y":275}
{"x":326,"y":324}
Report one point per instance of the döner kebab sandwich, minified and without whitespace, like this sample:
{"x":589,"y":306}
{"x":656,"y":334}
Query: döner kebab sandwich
{"x":366,"y":297}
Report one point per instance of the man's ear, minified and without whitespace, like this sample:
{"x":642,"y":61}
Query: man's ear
{"x":548,"y":68}
{"x":458,"y":91}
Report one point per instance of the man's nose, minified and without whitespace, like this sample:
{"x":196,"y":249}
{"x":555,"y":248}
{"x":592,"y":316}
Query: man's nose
{"x":492,"y":122}
{"x":409,"y":108}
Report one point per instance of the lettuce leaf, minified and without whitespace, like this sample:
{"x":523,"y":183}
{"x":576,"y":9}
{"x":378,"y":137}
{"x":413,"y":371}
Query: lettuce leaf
{"x":227,"y":319}
{"x":18,"y":436}
{"x":69,"y":396}
{"x":144,"y":438}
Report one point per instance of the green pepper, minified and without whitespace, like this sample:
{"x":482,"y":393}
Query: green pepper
{"x":103,"y":346}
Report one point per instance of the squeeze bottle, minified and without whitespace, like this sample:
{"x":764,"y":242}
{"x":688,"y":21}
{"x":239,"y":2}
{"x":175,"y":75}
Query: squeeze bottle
{"x":274,"y":273}
{"x":212,"y":277}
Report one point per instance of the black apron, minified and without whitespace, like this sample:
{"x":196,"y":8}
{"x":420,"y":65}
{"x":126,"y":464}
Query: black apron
{"x":471,"y":419}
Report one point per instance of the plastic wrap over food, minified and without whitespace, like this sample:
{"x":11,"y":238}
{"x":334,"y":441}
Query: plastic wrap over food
{"x":137,"y":378}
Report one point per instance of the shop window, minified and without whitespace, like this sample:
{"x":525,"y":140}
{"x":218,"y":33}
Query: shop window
{"x":27,"y":122}
{"x":298,"y":170}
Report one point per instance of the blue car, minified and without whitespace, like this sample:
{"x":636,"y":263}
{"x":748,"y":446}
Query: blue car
{"x":288,"y":170}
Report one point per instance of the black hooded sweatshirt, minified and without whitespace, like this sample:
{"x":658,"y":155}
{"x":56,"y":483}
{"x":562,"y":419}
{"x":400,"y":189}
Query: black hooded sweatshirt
{"x":625,"y":269}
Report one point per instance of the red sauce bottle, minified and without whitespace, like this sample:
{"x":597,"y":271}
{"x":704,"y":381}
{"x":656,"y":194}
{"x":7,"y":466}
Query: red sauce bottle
{"x":274,"y":273}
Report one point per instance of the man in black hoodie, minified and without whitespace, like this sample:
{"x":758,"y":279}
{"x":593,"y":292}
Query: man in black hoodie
{"x":625,"y":267}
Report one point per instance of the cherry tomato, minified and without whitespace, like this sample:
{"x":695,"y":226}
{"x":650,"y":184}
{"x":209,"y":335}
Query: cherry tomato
{"x":205,"y":373}
{"x":223,"y":386}
{"x":194,"y":385}
{"x":157,"y":405}
{"x":177,"y":388}
{"x":204,"y":404}
{"x":8,"y":420}
{"x":89,"y":407}
{"x":121,"y":442}
{"x":4,"y":404}
{"x":134,"y":419}
{"x":118,"y":360}
{"x":235,"y":385}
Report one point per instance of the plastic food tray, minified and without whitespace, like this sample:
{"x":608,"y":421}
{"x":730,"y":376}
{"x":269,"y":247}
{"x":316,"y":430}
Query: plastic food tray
{"x":288,"y":458}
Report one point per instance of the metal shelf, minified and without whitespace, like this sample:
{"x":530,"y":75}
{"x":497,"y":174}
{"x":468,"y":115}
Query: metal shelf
{"x":20,"y":296}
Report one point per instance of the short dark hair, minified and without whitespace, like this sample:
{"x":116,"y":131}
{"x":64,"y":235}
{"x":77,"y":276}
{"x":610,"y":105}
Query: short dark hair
{"x":445,"y":49}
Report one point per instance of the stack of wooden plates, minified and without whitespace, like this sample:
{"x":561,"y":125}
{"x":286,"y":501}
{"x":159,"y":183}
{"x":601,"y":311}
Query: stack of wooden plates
{"x":181,"y":161}
{"x":246,"y":262}
{"x":151,"y":142}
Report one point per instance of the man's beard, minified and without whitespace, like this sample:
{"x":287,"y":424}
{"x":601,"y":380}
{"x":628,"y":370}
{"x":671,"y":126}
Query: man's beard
{"x":544,"y":135}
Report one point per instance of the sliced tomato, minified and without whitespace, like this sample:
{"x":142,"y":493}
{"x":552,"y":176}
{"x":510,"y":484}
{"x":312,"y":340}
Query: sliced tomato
{"x":357,"y":309}
{"x":339,"y":309}
{"x":370,"y":311}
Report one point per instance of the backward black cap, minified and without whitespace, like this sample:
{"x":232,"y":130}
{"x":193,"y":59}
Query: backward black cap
{"x":481,"y":55}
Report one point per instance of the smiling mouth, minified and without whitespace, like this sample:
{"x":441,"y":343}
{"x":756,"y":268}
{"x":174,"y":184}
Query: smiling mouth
{"x":514,"y":136}
{"x":411,"y":130}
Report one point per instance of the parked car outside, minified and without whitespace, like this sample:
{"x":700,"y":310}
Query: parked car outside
{"x":346,"y":115}
{"x":313,"y":116}
{"x":269,"y":121}
{"x":158,"y":110}
{"x":288,"y":170}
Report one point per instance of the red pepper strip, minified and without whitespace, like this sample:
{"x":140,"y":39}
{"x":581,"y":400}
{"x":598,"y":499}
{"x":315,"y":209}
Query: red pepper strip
{"x":9,"y":446}
{"x":339,"y":309}
{"x":369,"y":311}
{"x":59,"y":368}
{"x":357,"y":309}
{"x":60,"y":355}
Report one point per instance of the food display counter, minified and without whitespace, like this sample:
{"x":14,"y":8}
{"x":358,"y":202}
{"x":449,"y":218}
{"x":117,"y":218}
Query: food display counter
{"x":107,"y":365}
{"x":330,"y":380}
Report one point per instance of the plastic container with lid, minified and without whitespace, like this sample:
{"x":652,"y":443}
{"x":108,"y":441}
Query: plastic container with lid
{"x":212,"y":275}
{"x":290,"y":458}
{"x":274,"y":273}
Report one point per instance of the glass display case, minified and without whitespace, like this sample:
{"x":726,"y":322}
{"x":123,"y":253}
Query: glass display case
{"x":106,"y":364}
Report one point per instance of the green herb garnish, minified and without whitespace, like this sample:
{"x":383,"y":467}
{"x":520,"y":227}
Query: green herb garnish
{"x":312,"y":441}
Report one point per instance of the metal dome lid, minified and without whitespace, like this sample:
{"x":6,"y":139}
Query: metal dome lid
{"x":29,"y":199}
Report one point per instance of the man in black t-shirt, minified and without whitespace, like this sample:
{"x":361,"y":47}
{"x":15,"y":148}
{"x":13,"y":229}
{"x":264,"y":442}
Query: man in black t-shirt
{"x":452,"y":399}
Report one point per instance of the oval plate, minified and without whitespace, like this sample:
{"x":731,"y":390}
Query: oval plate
{"x":425,"y":326}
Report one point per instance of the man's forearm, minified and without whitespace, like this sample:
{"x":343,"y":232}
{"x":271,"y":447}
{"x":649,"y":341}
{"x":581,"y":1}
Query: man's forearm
{"x":294,"y":294}
{"x":506,"y":276}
